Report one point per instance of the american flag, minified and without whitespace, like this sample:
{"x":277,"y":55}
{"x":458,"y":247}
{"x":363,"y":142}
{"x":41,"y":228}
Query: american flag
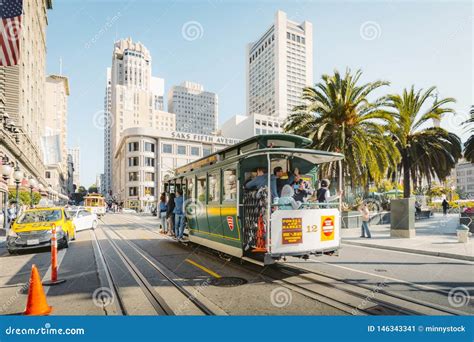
{"x":10,"y":31}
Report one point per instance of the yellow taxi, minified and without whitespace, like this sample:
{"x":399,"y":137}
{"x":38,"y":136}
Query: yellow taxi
{"x":32,"y":229}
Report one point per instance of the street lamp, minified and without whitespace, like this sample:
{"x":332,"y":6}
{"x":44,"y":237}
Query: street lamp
{"x":33,"y":184}
{"x":17,"y":176}
{"x":6,"y":171}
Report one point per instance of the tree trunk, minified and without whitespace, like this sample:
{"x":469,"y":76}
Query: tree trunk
{"x":406,"y":174}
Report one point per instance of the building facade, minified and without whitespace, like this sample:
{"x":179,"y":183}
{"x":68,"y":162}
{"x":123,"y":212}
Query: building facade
{"x":54,"y":139}
{"x":145,"y":157}
{"x":279,"y":65}
{"x":22,"y":91}
{"x":75,"y":153}
{"x":464,"y":178}
{"x":196,"y":110}
{"x":247,"y":126}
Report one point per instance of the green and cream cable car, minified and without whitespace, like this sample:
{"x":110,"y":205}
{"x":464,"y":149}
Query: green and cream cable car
{"x":222,"y":213}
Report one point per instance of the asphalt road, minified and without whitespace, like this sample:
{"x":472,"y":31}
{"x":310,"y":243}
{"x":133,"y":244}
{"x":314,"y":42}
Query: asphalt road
{"x":424,"y":278}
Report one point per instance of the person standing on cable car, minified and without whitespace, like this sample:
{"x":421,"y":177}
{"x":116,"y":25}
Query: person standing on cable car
{"x":323,"y":195}
{"x":170,"y":214}
{"x":179,"y":215}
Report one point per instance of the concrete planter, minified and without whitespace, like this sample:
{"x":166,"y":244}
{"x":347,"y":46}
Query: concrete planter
{"x":402,"y":218}
{"x":351,"y":219}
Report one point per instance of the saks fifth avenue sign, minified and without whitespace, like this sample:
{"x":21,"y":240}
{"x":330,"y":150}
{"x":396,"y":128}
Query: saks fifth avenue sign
{"x":211,"y":139}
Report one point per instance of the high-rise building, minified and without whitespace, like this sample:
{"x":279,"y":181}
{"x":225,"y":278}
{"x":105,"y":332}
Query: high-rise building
{"x":134,"y":98}
{"x":54,"y":139}
{"x":107,"y":184}
{"x":464,"y":178}
{"x":75,"y":153}
{"x":279,"y":65}
{"x":196,"y":110}
{"x":22,"y":94}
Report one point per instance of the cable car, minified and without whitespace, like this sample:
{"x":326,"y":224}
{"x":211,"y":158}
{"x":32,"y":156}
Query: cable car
{"x":223,"y":212}
{"x":95,"y":203}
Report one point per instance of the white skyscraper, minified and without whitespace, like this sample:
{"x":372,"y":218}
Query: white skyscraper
{"x":196,"y":110}
{"x":279,"y":65}
{"x":107,"y":184}
{"x":136,"y":99}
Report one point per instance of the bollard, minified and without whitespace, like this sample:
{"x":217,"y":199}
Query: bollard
{"x":54,"y":259}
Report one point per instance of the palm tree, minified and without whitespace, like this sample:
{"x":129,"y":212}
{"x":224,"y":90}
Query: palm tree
{"x":338,"y":117}
{"x":469,"y":144}
{"x":426,"y":151}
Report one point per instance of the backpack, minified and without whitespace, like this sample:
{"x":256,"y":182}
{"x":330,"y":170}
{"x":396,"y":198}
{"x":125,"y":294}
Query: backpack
{"x":321,"y":195}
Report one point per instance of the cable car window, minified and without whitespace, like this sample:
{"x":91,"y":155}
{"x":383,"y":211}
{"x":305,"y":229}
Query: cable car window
{"x":214,"y":187}
{"x":201,"y":188}
{"x":230,"y":185}
{"x":190,"y":189}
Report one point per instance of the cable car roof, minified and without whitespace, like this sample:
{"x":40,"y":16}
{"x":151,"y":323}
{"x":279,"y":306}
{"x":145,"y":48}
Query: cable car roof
{"x":262,"y":144}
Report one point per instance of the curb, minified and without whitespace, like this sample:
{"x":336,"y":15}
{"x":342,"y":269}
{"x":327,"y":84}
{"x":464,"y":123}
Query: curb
{"x":414,"y":251}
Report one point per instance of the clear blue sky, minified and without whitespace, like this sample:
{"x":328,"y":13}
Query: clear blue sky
{"x":422,"y":43}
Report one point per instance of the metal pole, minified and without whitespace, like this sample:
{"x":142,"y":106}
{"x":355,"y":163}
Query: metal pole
{"x":5,"y":211}
{"x":17,"y":198}
{"x":31,"y":197}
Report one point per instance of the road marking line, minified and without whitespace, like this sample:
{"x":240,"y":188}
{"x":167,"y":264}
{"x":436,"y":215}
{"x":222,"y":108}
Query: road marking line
{"x":205,"y":269}
{"x":386,"y":278}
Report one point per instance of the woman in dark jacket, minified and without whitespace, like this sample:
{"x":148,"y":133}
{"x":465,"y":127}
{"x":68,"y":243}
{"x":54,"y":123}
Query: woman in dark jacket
{"x":170,"y":214}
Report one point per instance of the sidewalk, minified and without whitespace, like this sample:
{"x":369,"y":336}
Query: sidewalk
{"x":434,"y":236}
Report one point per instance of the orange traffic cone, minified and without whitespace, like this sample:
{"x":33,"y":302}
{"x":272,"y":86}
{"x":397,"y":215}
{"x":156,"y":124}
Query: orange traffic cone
{"x":36,"y":304}
{"x":260,"y":243}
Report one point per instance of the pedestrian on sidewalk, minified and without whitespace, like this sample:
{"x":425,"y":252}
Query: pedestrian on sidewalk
{"x":445,"y":206}
{"x":179,"y":215}
{"x":170,"y":214}
{"x":364,"y":211}
{"x":162,"y":213}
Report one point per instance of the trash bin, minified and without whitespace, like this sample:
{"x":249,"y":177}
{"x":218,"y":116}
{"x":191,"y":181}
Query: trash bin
{"x":463,"y":233}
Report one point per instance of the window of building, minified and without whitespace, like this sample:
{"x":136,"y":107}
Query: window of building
{"x":195,"y":151}
{"x":133,"y":191}
{"x":133,"y":161}
{"x":206,"y":151}
{"x":48,"y":174}
{"x":149,"y":147}
{"x":214,"y":187}
{"x":182,"y":149}
{"x":201,"y":188}
{"x":149,"y":161}
{"x":149,"y":176}
{"x":167,"y":148}
{"x":149,"y":191}
{"x":230,"y":185}
{"x":133,"y":176}
{"x":133,"y":146}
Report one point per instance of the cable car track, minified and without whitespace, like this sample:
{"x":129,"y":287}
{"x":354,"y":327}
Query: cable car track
{"x":155,"y":299}
{"x":361,"y":293}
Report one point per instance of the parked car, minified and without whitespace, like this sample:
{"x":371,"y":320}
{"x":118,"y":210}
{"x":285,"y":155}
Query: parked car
{"x":83,"y":219}
{"x":32,"y":229}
